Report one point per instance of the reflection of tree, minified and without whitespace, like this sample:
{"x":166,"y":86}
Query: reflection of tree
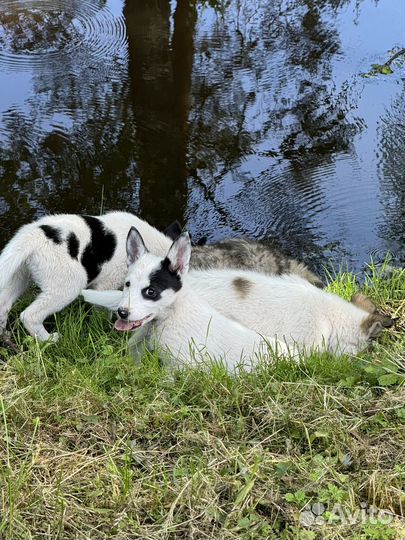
{"x":87,"y":133}
{"x":392,"y":167}
{"x":90,"y":133}
{"x":265,"y":114}
{"x":71,"y":139}
{"x":66,"y":171}
{"x":222,"y":121}
{"x":160,"y":73}
{"x":321,"y":114}
{"x":303,"y":42}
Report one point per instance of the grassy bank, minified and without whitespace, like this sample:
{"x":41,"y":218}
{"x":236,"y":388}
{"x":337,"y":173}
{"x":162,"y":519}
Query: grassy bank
{"x":94,"y":446}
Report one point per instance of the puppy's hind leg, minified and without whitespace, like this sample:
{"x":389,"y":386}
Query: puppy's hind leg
{"x":15,"y":288}
{"x":47,"y":303}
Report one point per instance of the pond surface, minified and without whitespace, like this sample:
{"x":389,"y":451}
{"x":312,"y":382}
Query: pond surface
{"x":239,"y":118}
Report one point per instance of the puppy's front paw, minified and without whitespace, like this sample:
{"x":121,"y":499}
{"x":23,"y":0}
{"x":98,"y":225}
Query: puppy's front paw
{"x":54,"y":337}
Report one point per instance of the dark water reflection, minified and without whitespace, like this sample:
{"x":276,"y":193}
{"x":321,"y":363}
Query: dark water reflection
{"x":238,"y":118}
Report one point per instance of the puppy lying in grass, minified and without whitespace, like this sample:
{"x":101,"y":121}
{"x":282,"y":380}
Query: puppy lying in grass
{"x":290,"y":308}
{"x":286,"y":308}
{"x":183,"y":325}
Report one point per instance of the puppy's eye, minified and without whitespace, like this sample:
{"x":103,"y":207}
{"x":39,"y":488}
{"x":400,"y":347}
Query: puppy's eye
{"x":150,"y":293}
{"x":127,"y":284}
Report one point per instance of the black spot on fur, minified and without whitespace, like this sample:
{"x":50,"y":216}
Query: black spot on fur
{"x":162,"y":279}
{"x":73,"y":245}
{"x":100,"y":249}
{"x":52,"y":233}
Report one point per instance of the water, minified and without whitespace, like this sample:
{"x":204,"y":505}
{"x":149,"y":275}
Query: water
{"x":239,"y":118}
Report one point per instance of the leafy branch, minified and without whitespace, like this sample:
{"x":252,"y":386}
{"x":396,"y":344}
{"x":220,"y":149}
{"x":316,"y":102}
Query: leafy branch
{"x":384,"y":69}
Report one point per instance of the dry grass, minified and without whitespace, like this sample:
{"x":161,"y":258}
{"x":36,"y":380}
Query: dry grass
{"x":94,"y":446}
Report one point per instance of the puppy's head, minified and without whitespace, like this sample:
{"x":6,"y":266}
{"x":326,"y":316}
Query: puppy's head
{"x":375,"y":322}
{"x":152,"y":282}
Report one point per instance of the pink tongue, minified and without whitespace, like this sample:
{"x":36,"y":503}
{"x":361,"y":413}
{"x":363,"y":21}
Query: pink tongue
{"x":124,"y":326}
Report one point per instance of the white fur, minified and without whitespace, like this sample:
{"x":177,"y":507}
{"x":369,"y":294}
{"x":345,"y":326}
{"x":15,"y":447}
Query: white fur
{"x":183,"y":323}
{"x":192,"y":331}
{"x":285,"y":307}
{"x":107,"y":299}
{"x":31,"y":256}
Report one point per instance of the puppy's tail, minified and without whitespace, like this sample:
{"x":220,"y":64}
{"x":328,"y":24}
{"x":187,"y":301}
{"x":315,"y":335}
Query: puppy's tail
{"x":16,"y":253}
{"x":108,"y":299}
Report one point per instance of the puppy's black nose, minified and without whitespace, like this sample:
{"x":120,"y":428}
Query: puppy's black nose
{"x":123,"y":313}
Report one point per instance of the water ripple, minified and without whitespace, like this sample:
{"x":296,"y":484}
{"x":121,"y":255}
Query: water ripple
{"x":33,"y":35}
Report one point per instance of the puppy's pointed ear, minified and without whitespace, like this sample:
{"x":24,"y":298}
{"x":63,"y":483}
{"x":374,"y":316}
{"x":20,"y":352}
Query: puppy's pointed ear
{"x":179,"y":254}
{"x":173,"y":230}
{"x":375,"y":324}
{"x":361,"y":301}
{"x":135,"y":246}
{"x":375,"y":330}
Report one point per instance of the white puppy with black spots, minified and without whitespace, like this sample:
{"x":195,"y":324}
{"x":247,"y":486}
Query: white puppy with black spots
{"x":62,"y":254}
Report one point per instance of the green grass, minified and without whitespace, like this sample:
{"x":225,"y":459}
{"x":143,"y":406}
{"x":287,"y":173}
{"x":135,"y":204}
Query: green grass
{"x":94,"y":446}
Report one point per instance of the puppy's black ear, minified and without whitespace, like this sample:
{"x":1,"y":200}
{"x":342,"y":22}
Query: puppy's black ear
{"x":202,"y":241}
{"x":173,"y":230}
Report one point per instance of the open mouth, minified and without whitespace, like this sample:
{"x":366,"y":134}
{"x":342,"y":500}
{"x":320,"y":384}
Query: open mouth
{"x":123,"y":325}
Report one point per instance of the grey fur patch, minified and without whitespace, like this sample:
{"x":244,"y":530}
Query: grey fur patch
{"x":374,"y":324}
{"x":250,"y":255}
{"x":242,"y":286}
